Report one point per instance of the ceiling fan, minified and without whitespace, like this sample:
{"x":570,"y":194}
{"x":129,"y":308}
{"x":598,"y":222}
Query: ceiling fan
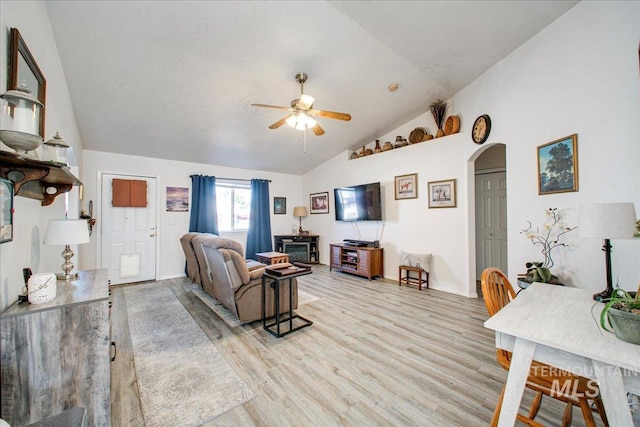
{"x":301,"y":114}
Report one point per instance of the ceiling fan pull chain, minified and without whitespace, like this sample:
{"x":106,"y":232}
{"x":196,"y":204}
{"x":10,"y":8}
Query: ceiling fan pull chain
{"x":305,"y":140}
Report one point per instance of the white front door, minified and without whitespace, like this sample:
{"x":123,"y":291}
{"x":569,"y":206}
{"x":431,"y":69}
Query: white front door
{"x":491,"y":222}
{"x":129,"y":234}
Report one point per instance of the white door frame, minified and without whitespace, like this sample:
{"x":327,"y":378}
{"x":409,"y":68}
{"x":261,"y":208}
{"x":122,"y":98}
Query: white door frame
{"x":471,"y":215}
{"x":99,"y":209}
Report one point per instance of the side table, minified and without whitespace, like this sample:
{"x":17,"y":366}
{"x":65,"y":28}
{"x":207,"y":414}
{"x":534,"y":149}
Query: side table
{"x":274,"y":278}
{"x":271,"y":258}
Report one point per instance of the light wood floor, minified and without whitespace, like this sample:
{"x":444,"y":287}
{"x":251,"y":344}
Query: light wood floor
{"x":377,"y":354}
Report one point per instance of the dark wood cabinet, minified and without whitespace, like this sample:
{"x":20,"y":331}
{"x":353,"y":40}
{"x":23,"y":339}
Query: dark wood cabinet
{"x":360,"y":260}
{"x":299,"y":247}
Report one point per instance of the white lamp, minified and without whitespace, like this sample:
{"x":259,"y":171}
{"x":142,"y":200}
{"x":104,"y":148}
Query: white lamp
{"x":607,"y":221}
{"x":300,"y":211}
{"x":66,"y":232}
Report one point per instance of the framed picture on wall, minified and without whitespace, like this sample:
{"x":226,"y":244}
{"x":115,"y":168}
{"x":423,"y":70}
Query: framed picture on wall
{"x":320,"y":203}
{"x":279,"y":205}
{"x":442,"y":194}
{"x":558,"y":166}
{"x":406,"y":186}
{"x":177,"y":199}
{"x":6,"y":210}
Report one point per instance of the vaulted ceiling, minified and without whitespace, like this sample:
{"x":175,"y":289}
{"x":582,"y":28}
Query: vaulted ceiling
{"x":176,"y":79}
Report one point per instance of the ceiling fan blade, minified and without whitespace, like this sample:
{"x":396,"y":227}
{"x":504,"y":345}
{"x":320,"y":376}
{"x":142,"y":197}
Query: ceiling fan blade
{"x":331,"y":114}
{"x":276,"y":107}
{"x":317,"y":129}
{"x":306,"y":101}
{"x":279,"y":123}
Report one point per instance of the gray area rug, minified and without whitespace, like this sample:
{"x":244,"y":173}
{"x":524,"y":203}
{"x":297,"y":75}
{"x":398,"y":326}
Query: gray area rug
{"x":183,"y":380}
{"x":230,"y":318}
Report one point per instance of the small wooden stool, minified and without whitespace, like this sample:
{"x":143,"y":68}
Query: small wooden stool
{"x":270,"y":258}
{"x":414,"y":280}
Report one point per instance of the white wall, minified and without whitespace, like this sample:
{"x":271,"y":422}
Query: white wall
{"x":172,"y":225}
{"x":579,"y":75}
{"x":30,"y":218}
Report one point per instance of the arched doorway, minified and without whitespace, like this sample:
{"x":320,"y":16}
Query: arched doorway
{"x":490,"y":209}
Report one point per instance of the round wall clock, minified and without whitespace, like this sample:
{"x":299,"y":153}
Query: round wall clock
{"x":481,"y":129}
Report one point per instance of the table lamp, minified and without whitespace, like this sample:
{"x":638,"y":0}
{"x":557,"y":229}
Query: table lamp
{"x":607,"y":221}
{"x":300,"y":211}
{"x":66,"y":232}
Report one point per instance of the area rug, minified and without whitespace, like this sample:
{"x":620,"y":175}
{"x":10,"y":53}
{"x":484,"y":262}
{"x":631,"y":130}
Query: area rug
{"x":230,"y":318}
{"x":183,"y":380}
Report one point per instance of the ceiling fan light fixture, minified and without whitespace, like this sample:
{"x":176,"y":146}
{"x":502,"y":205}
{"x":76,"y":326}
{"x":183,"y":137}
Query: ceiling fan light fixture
{"x":300,"y":121}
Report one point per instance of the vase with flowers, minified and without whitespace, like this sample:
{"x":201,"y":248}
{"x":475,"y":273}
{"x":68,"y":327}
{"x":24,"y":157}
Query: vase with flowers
{"x":547,"y":238}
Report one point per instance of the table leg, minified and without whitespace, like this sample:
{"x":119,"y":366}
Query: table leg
{"x":613,"y":394}
{"x":263,"y":308}
{"x":290,"y":306}
{"x":276,"y":292}
{"x":518,"y":372}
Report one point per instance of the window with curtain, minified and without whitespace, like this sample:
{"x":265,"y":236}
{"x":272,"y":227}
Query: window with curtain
{"x":233,"y":205}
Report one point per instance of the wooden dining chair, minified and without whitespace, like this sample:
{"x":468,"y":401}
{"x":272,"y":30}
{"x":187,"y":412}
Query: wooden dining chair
{"x":498,"y":292}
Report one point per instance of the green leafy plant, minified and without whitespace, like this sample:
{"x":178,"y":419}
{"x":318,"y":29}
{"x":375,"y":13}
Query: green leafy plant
{"x":623,"y":301}
{"x":622,"y":313}
{"x":548,"y":238}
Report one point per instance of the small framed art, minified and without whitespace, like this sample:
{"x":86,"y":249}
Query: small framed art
{"x":406,"y":186}
{"x":319,"y":203}
{"x":279,"y":205}
{"x":177,"y":199}
{"x":558,"y":166}
{"x":442,"y":194}
{"x":6,"y":210}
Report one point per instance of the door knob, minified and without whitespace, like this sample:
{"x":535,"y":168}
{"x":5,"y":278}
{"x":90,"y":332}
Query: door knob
{"x":152,"y":235}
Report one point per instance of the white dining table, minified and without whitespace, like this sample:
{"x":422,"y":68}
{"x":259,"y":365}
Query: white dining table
{"x":555,"y":325}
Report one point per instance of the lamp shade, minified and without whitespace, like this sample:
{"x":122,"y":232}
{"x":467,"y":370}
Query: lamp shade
{"x":607,"y":221}
{"x":300,"y":211}
{"x":66,"y":232}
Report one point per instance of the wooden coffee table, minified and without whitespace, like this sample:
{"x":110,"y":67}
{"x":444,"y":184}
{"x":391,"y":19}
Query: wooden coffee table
{"x":270,"y":258}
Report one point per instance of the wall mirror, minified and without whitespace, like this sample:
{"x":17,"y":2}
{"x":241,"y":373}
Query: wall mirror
{"x":24,"y":69}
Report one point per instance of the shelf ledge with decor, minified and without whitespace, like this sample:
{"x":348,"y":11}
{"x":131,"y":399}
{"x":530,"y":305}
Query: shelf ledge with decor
{"x":36,"y":179}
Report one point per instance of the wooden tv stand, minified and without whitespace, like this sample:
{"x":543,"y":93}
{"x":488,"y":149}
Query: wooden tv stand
{"x":359,"y":260}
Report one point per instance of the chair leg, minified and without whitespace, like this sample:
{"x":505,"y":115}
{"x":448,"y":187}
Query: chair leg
{"x":567,"y":416}
{"x":496,"y":412}
{"x":535,"y":405}
{"x":601,"y":412}
{"x":586,"y":412}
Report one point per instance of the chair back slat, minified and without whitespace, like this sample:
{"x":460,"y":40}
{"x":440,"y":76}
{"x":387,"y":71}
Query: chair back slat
{"x":496,"y":290}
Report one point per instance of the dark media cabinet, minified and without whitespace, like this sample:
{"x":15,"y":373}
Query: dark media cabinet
{"x":363,"y":261}
{"x":299,"y":247}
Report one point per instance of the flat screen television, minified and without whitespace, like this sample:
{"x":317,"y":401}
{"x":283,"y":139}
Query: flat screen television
{"x":358,"y":203}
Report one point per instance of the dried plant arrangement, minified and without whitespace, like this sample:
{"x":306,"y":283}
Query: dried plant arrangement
{"x":438,"y":109}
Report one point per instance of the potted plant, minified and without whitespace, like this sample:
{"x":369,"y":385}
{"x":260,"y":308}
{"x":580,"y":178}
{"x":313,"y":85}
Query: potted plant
{"x":622,"y":312}
{"x":548,"y":239}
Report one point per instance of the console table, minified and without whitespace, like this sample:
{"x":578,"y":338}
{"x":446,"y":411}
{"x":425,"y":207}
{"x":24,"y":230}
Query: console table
{"x":55,"y":355}
{"x":360,"y":260}
{"x":553,"y":325}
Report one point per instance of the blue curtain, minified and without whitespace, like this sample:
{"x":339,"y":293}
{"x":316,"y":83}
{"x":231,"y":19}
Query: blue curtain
{"x":204,"y":213}
{"x":259,"y":235}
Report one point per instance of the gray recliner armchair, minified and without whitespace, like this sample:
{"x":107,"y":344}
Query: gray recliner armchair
{"x":237,"y":283}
